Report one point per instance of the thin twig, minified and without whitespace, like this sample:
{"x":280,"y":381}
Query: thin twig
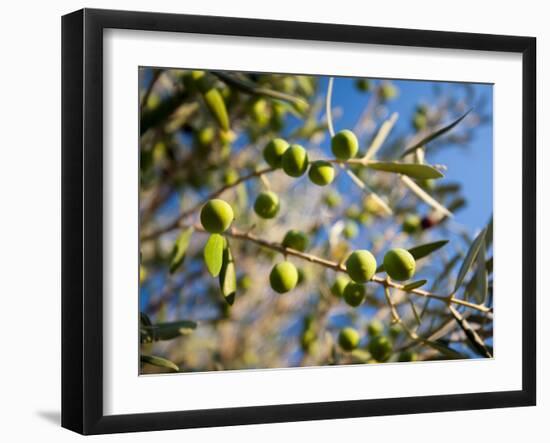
{"x":423,"y":195}
{"x":338,"y":267}
{"x":175,"y":223}
{"x":358,"y":182}
{"x":251,"y":88}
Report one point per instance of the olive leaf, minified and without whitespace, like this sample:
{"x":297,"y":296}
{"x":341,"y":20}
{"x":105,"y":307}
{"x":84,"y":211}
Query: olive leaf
{"x":421,"y":251}
{"x":144,"y":319}
{"x":470,"y":257}
{"x":160,"y":362}
{"x":228,"y":276}
{"x":213,"y":254}
{"x":444,"y":349}
{"x":434,"y":135}
{"x":414,"y":170}
{"x":179,"y":249}
{"x":482,"y":280}
{"x":216,"y":105}
{"x":166,"y":331}
{"x":424,"y":250}
{"x":414,"y":285}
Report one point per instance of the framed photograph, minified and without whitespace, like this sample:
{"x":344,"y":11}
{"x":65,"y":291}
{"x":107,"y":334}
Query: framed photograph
{"x":269,"y":221}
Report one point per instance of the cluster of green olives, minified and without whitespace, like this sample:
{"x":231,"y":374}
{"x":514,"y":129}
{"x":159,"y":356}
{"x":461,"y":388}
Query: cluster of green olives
{"x":294,"y":161}
{"x":361,"y":266}
{"x":379,"y":345}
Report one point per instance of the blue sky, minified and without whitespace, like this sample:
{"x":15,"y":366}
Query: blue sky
{"x":471,"y":165}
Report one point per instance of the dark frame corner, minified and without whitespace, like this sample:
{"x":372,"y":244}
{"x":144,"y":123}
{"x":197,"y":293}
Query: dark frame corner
{"x":82,"y":152}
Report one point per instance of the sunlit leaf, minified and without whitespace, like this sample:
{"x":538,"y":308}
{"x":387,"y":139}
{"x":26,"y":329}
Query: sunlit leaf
{"x":422,"y":251}
{"x":480,"y":295}
{"x":445,"y":350}
{"x":414,"y":170}
{"x":167,"y":331}
{"x":434,"y":135}
{"x":179,"y":249}
{"x":489,"y":234}
{"x":414,"y":285}
{"x":228,"y":276}
{"x":144,"y":319}
{"x":159,"y":362}
{"x":213,"y":254}
{"x":470,"y":257}
{"x":215,"y":103}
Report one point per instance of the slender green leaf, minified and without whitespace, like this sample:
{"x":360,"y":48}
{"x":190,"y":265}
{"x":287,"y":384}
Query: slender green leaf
{"x":167,"y":331}
{"x":414,"y":170}
{"x":213,"y":254}
{"x":414,"y":285}
{"x":475,"y":340}
{"x":444,"y":349}
{"x":144,"y":319}
{"x":179,"y":249}
{"x":489,"y":266}
{"x":480,"y":294}
{"x":423,"y":195}
{"x":489,"y":235}
{"x":421,"y":251}
{"x":470,"y":257}
{"x":159,"y":362}
{"x":360,"y":356}
{"x":228,"y":276}
{"x":434,"y":135}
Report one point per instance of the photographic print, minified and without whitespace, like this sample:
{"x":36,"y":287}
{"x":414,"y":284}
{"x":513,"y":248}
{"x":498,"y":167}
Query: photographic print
{"x":291,"y":220}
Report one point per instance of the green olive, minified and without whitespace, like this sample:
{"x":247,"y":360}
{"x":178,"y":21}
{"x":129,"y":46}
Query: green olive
{"x":295,"y":239}
{"x":363,"y":84}
{"x":216,"y":216}
{"x":295,"y":161}
{"x":407,"y":356}
{"x":387,"y":91}
{"x":308,"y":339}
{"x":283,"y":277}
{"x":344,"y":145}
{"x":412,"y":224}
{"x":321,"y":173}
{"x":332,"y":199}
{"x":420,"y":122}
{"x":245,"y":282}
{"x":339,"y":285}
{"x":375,"y":328}
{"x":354,"y":294}
{"x":361,"y":266}
{"x":351,"y":230}
{"x":230,"y":177}
{"x":348,"y":339}
{"x":267,"y":204}
{"x":399,"y":264}
{"x":395,"y":330}
{"x":380,"y":348}
{"x":273,"y":152}
{"x":205,"y":136}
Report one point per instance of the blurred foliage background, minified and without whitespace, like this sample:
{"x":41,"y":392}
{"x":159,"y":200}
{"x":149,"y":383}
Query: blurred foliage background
{"x":189,"y":150}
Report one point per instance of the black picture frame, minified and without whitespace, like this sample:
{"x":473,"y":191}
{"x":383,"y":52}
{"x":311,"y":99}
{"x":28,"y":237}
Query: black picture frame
{"x":82,"y":220}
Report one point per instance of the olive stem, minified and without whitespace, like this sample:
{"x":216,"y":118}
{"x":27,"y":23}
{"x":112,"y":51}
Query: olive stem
{"x":253,"y":89}
{"x":338,"y":267}
{"x":342,"y":164}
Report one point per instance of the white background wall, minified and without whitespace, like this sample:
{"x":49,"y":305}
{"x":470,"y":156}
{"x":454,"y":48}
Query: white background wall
{"x":30,"y":275}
